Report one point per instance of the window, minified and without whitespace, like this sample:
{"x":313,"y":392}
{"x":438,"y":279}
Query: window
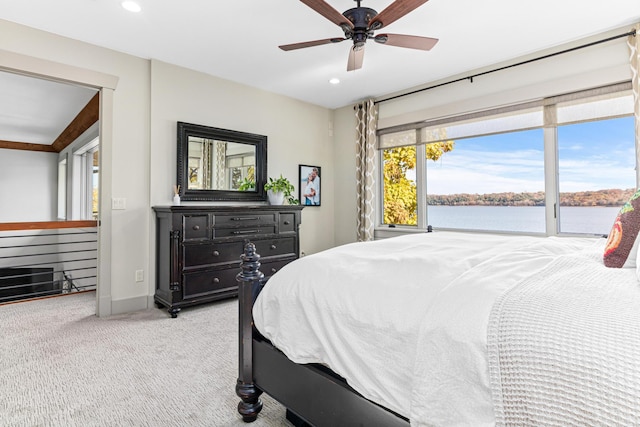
{"x":596,"y":161}
{"x":95,"y":182}
{"x":493,"y":182}
{"x":400,"y":190}
{"x":559,"y":165}
{"x":596,"y":173}
{"x":87,"y":160}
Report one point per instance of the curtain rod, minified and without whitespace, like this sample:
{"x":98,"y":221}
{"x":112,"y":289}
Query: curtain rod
{"x":470,"y":78}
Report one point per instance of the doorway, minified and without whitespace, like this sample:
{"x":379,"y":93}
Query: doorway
{"x":103,"y":84}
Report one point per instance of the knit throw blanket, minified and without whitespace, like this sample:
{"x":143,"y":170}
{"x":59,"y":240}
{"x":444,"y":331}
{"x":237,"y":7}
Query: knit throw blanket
{"x":564,"y":347}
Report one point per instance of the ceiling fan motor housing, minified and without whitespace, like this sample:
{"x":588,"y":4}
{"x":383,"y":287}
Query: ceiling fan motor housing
{"x":360,"y":18}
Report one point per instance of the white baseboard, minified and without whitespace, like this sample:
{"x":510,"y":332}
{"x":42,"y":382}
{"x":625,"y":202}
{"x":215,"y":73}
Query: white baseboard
{"x":130,"y":304}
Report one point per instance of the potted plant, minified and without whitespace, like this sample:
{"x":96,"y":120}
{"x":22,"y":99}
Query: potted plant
{"x":280,"y":189}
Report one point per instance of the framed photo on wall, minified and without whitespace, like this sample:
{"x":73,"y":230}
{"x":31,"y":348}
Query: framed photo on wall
{"x":309,"y":185}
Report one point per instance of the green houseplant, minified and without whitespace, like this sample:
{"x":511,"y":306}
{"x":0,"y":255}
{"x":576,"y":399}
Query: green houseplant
{"x":247,"y":184}
{"x":280,"y":189}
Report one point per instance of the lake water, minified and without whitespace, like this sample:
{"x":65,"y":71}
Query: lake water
{"x":590,"y":220}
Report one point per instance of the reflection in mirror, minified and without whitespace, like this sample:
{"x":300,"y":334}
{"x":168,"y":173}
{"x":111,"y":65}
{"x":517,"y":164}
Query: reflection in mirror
{"x":220,"y":164}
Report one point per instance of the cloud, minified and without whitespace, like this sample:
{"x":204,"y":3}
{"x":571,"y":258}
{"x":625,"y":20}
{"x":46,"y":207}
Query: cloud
{"x":471,"y":171}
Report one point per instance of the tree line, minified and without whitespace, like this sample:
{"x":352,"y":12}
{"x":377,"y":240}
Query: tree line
{"x":609,"y":197}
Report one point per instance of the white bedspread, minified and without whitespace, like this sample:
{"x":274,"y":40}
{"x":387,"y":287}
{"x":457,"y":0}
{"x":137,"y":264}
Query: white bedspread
{"x":564,"y":347}
{"x":384,"y":313}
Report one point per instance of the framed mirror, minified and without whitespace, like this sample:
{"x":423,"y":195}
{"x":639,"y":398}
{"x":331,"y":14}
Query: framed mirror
{"x":220,"y":164}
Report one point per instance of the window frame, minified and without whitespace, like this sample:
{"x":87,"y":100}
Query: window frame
{"x":84,"y":159}
{"x":550,"y":156}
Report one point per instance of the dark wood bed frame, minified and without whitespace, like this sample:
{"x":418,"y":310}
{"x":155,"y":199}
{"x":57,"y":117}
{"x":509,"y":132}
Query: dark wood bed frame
{"x":312,"y":394}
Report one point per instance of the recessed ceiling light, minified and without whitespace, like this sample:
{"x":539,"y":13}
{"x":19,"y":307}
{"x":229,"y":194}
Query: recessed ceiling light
{"x":131,"y":6}
{"x":334,"y":81}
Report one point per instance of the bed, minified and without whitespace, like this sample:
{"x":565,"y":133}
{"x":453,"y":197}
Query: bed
{"x":444,"y":329}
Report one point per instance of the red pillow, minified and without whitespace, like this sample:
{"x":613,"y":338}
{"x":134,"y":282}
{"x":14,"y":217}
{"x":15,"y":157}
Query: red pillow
{"x":622,"y":239}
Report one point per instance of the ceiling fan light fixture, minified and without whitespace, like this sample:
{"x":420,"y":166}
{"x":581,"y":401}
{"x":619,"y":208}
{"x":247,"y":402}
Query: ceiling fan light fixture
{"x":131,"y":6}
{"x":382,"y":38}
{"x":346,"y":28}
{"x":375,"y":25}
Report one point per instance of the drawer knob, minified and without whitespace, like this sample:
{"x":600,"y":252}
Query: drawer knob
{"x":273,"y":246}
{"x":287,"y":222}
{"x":216,"y":280}
{"x":273,"y":270}
{"x":196,"y":227}
{"x":216,"y":253}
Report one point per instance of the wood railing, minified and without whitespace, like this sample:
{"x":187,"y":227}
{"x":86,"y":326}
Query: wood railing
{"x":46,"y":225}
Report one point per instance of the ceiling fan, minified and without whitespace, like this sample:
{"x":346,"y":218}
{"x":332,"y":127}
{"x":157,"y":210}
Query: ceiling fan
{"x":359,"y":23}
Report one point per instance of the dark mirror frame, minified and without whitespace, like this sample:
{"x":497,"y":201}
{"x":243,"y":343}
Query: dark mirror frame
{"x":185,"y":130}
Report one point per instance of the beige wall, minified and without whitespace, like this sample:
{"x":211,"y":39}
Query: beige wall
{"x":28,"y":185}
{"x":297,"y":133}
{"x":344,"y":160}
{"x":138,"y":156}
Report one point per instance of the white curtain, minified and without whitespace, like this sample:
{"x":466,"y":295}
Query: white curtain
{"x":634,"y":60}
{"x":366,"y":123}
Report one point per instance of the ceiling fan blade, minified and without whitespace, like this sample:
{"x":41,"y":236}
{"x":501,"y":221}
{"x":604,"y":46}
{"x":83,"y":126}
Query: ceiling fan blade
{"x":355,"y":58}
{"x":411,"y":42}
{"x":393,"y":12}
{"x":328,"y":12}
{"x":302,"y":45}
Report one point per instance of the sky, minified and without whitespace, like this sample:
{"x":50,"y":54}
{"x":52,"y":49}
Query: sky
{"x":592,"y":156}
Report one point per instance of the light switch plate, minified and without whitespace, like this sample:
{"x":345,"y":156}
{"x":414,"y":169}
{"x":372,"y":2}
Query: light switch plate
{"x":118,"y":203}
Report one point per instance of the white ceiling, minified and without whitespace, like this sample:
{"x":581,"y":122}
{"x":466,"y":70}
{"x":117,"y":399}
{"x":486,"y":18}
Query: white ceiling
{"x":36,"y":111}
{"x":238,"y":39}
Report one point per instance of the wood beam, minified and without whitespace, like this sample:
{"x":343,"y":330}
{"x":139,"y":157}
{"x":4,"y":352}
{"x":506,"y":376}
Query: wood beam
{"x":83,"y":121}
{"x":12,"y":145}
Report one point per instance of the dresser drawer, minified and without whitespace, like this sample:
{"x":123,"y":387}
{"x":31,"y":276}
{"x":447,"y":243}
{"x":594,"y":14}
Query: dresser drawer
{"x":205,"y":282}
{"x":244,"y":220}
{"x":239,"y":232}
{"x":287,"y":222}
{"x":272,"y":247}
{"x":195,"y":227}
{"x":196,"y":255}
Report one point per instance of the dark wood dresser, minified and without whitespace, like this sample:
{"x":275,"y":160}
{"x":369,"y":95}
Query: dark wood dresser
{"x":198,"y":249}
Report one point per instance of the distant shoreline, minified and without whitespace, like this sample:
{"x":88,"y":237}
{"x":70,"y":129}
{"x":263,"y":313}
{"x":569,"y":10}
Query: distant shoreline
{"x":599,"y":198}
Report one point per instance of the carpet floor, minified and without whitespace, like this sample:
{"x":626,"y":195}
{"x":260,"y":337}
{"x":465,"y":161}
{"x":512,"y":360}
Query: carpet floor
{"x":63,"y":366}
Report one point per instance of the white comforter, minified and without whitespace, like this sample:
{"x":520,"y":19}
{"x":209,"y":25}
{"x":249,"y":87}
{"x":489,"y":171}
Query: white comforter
{"x":404,"y":320}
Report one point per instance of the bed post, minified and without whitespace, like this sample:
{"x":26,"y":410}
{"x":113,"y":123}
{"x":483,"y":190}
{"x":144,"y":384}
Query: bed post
{"x":249,"y":281}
